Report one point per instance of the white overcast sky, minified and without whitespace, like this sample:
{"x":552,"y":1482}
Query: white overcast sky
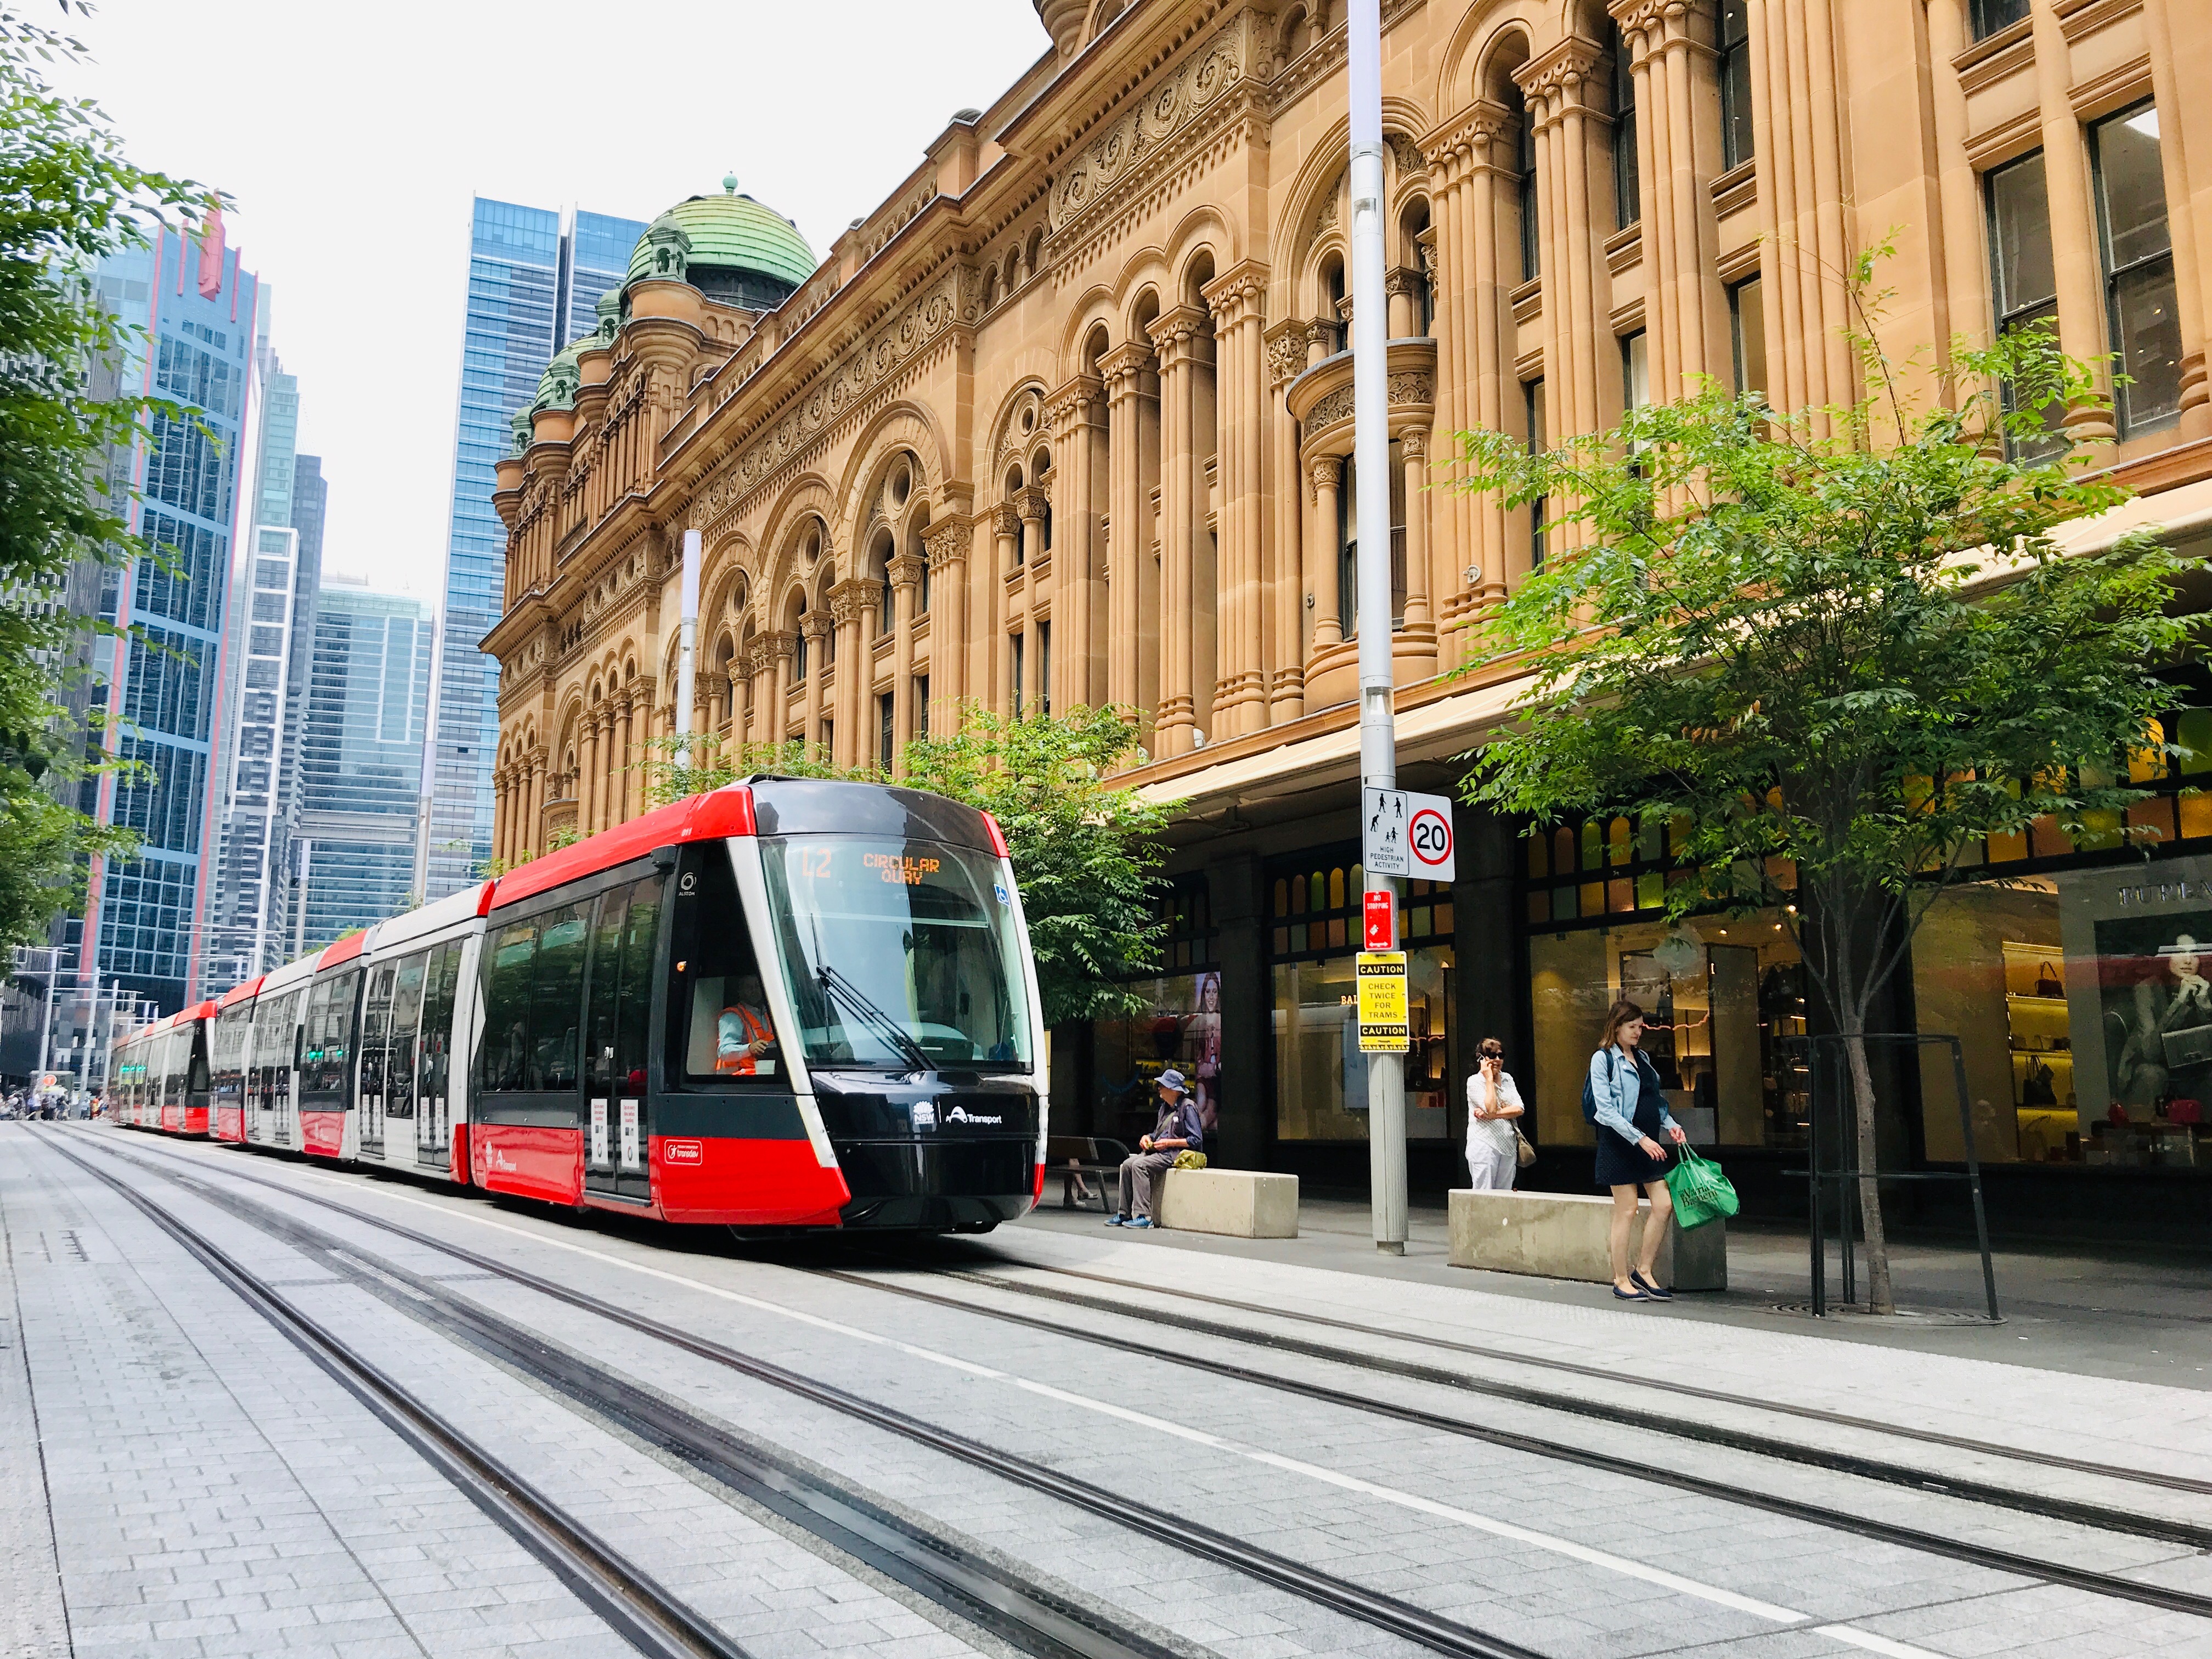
{"x":353,"y":137}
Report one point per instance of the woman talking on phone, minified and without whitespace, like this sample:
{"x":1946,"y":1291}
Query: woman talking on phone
{"x":1633,"y":1126}
{"x":1493,"y":1137}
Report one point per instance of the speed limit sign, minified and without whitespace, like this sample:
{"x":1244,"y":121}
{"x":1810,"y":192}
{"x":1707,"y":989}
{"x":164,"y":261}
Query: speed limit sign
{"x":1407,"y":835}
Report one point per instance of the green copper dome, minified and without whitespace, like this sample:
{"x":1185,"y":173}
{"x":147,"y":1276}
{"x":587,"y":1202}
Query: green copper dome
{"x":556,"y":387}
{"x":732,"y":239}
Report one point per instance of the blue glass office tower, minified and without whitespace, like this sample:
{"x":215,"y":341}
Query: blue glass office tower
{"x":534,"y":283}
{"x":361,"y":758}
{"x":147,"y":915}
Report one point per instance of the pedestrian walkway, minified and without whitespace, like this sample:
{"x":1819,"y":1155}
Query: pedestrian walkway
{"x":2116,"y":1313}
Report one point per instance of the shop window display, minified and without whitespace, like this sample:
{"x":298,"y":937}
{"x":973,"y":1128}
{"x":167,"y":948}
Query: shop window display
{"x":2084,"y":1010}
{"x":1177,"y":1023}
{"x":1725,"y":999}
{"x":1321,"y":1076}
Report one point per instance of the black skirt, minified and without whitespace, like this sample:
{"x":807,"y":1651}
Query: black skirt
{"x":1623,"y":1163}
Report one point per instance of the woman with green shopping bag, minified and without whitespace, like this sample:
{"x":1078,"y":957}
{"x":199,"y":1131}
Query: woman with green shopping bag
{"x":1622,"y":1098}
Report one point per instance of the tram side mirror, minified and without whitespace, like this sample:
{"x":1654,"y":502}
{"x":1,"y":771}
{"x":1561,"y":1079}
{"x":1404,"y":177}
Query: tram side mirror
{"x":664,"y":859}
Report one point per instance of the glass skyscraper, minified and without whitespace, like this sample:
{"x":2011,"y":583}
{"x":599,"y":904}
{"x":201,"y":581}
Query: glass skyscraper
{"x":534,"y":284}
{"x":147,"y":916}
{"x":361,"y":760}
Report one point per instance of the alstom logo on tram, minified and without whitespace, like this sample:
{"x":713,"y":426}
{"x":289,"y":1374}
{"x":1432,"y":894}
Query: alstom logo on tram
{"x":789,"y":1003}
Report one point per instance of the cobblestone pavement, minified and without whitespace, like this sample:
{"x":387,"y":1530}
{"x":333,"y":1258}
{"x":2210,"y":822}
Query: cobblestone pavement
{"x":190,"y":1450}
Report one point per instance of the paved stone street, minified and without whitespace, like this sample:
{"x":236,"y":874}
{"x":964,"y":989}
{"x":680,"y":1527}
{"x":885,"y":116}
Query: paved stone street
{"x":178,"y":1477}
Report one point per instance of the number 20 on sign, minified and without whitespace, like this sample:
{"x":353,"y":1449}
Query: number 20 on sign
{"x":1382,"y":1023}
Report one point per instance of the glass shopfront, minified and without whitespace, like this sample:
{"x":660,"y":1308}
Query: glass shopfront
{"x":1175,"y":1025}
{"x":1321,"y":1076}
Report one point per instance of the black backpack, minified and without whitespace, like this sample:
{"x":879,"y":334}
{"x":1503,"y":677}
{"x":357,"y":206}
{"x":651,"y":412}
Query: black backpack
{"x":1646,"y":1078}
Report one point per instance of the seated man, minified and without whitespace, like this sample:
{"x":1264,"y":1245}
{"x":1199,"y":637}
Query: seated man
{"x":744,"y":1035}
{"x":1177,"y":1130}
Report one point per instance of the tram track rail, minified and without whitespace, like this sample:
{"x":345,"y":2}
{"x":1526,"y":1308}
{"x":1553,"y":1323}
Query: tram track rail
{"x":974,"y":1585}
{"x":1177,"y":1530}
{"x":1714,"y":1434}
{"x":638,"y":1610}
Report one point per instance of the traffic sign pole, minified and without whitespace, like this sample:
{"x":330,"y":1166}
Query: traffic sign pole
{"x":1370,"y":410}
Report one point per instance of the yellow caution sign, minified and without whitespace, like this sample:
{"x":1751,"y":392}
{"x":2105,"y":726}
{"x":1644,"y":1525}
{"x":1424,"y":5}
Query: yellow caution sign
{"x":1382,"y":1023}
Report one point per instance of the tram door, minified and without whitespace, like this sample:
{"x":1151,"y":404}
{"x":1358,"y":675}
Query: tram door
{"x":617,"y":1134}
{"x":433,"y":1132}
{"x":376,"y":1027}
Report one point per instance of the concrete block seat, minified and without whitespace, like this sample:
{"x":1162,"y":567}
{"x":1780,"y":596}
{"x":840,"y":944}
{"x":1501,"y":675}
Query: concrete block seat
{"x":1563,"y":1236}
{"x":1235,"y":1203}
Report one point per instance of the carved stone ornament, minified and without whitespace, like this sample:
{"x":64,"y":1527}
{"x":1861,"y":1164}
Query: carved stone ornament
{"x":905,"y":570}
{"x":1005,"y":521}
{"x":1178,"y":100}
{"x":1286,"y":351}
{"x":1409,"y":389}
{"x":946,"y":541}
{"x":854,"y":598}
{"x":862,"y":371}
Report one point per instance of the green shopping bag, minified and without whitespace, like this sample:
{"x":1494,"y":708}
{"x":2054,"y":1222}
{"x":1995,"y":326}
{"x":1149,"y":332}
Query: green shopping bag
{"x":1700,"y":1191}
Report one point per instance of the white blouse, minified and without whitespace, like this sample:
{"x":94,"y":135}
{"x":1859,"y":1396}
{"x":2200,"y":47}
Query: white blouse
{"x":1488,"y":1134}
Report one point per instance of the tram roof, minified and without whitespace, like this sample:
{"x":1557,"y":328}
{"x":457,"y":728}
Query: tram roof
{"x":761,"y":805}
{"x":241,"y":993}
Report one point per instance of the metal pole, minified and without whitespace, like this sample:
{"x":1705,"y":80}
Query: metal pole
{"x":687,"y":647}
{"x":1371,"y":406}
{"x":306,"y":846}
{"x":1974,"y":1177}
{"x":46,"y":1031}
{"x":1815,"y":1199}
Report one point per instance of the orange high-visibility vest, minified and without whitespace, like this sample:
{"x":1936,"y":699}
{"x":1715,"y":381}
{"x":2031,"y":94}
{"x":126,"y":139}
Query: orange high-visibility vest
{"x":742,"y":1062}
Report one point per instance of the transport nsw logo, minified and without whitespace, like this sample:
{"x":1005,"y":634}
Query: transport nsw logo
{"x":961,"y":1114}
{"x":682,"y":1152}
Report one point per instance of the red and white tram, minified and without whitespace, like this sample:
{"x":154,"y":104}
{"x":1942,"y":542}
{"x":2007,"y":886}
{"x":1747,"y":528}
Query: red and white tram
{"x":158,"y":1074}
{"x":789,"y":1003}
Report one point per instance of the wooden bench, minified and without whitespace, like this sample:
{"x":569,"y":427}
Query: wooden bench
{"x":1235,"y":1203}
{"x":1563,"y":1236}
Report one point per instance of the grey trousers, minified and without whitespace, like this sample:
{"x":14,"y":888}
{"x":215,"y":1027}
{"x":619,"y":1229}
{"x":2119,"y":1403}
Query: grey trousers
{"x":1140,"y":1173}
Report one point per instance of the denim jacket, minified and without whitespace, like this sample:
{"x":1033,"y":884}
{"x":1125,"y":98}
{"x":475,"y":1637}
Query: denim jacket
{"x":1616,"y":1088}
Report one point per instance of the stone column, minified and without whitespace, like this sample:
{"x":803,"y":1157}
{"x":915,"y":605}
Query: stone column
{"x":1240,"y":688}
{"x":633,"y":767}
{"x":1415,"y":445}
{"x":533,"y":817}
{"x":1286,"y":583}
{"x":1006,"y":540}
{"x":1326,"y":554}
{"x":1571,"y":139}
{"x":2074,"y":252}
{"x":1175,"y":336}
{"x":851,"y":602}
{"x":1074,"y":412}
{"x":500,"y":814}
{"x":776,"y":721}
{"x":905,"y":572}
{"x":587,"y":775}
{"x":816,"y":627}
{"x":1124,"y":368}
{"x":2183,"y":123}
{"x":947,"y":541}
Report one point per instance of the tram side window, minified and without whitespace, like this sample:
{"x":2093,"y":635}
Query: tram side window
{"x":628,"y":931}
{"x":440,"y":979}
{"x":376,"y":1032}
{"x":330,"y":1034}
{"x":506,"y":1006}
{"x":197,"y":1079}
{"x":406,"y":1016}
{"x":725,"y":1014}
{"x":556,"y":997}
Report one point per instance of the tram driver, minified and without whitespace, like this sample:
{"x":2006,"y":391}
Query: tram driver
{"x":744,"y":1035}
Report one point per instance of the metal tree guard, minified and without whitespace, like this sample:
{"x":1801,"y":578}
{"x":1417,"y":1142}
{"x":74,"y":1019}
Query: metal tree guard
{"x":1846,"y":1178}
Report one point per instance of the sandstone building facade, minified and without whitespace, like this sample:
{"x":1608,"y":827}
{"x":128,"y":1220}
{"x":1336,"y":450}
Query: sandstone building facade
{"x":1067,"y":420}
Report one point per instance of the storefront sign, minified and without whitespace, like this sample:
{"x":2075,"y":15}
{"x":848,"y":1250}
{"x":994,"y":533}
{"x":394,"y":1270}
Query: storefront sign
{"x":1407,"y":835}
{"x":1383,"y":1027}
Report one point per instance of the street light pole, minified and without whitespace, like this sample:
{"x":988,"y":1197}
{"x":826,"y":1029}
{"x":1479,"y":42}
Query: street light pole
{"x":1370,"y":408}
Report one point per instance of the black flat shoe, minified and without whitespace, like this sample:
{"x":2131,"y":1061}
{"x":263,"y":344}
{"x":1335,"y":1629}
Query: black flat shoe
{"x":1649,"y":1289}
{"x":1630,"y":1295}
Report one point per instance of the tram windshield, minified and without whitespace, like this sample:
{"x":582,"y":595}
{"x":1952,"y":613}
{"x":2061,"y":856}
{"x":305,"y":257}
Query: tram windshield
{"x":899,"y":954}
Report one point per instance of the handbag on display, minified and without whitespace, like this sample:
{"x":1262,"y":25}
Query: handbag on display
{"x":2191,"y":1046}
{"x":2184,"y":1111}
{"x":2047,"y":982}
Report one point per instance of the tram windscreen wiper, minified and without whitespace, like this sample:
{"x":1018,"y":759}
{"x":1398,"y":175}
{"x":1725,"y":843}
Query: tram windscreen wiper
{"x":873,"y":1012}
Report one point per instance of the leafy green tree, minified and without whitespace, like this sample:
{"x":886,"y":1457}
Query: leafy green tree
{"x":1831,"y":651}
{"x":1086,"y":855}
{"x":68,"y":196}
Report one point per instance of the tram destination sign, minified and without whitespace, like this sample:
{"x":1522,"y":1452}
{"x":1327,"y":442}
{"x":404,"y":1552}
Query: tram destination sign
{"x":1403,"y":833}
{"x":1382,"y":1023}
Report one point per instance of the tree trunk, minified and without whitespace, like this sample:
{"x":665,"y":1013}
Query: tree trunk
{"x":1880,"y":1299}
